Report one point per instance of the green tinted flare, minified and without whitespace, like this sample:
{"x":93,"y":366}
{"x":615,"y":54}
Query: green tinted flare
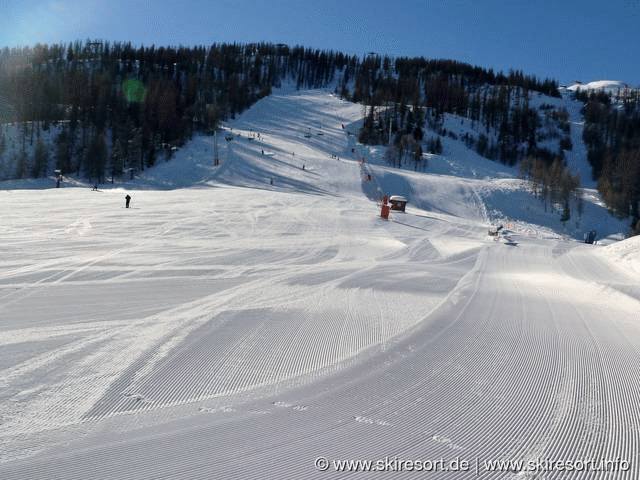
{"x":133,"y":90}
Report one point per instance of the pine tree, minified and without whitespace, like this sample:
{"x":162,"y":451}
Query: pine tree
{"x":566,"y":214}
{"x":40,"y":159}
{"x":64,"y":149}
{"x":97,"y":157}
{"x":417,"y":155}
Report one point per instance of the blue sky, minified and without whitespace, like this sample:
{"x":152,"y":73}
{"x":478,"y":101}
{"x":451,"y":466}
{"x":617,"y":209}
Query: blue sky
{"x":563,"y":39}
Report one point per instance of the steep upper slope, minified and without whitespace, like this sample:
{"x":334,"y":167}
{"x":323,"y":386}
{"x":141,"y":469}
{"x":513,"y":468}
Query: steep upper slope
{"x":298,"y":141}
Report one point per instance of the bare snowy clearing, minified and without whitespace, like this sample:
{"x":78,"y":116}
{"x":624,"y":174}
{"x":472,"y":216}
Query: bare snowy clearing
{"x":267,"y":317}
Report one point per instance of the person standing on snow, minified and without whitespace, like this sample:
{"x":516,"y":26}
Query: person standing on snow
{"x":127,"y":200}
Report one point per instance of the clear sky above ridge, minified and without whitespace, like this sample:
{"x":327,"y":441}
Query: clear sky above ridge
{"x":563,"y":39}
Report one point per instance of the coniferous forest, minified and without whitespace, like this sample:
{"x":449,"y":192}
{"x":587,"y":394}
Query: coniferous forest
{"x":612,"y":137}
{"x":117,"y":107}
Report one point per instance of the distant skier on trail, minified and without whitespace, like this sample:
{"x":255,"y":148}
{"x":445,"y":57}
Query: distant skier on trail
{"x":127,"y":200}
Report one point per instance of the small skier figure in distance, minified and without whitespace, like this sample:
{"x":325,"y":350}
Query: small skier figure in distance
{"x":127,"y":200}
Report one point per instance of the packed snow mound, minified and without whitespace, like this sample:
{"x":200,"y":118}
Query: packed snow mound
{"x":625,"y":252}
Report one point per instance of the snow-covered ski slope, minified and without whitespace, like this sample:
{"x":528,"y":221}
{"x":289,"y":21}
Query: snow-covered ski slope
{"x":258,"y":319}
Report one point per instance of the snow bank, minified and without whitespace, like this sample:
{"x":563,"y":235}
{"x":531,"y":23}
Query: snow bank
{"x":626,"y":252}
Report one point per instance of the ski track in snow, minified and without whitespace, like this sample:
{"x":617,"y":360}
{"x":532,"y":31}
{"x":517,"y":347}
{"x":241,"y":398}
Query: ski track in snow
{"x":267,"y":316}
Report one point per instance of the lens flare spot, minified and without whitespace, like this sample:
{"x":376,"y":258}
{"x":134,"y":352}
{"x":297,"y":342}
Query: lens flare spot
{"x":133,"y":90}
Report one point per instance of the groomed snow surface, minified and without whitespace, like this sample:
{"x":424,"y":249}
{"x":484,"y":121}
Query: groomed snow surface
{"x":254,"y":319}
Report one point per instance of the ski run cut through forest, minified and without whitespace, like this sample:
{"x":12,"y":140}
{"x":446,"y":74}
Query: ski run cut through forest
{"x":254,"y":317}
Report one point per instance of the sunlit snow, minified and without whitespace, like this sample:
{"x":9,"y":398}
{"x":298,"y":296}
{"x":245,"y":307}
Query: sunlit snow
{"x":246,"y":319}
